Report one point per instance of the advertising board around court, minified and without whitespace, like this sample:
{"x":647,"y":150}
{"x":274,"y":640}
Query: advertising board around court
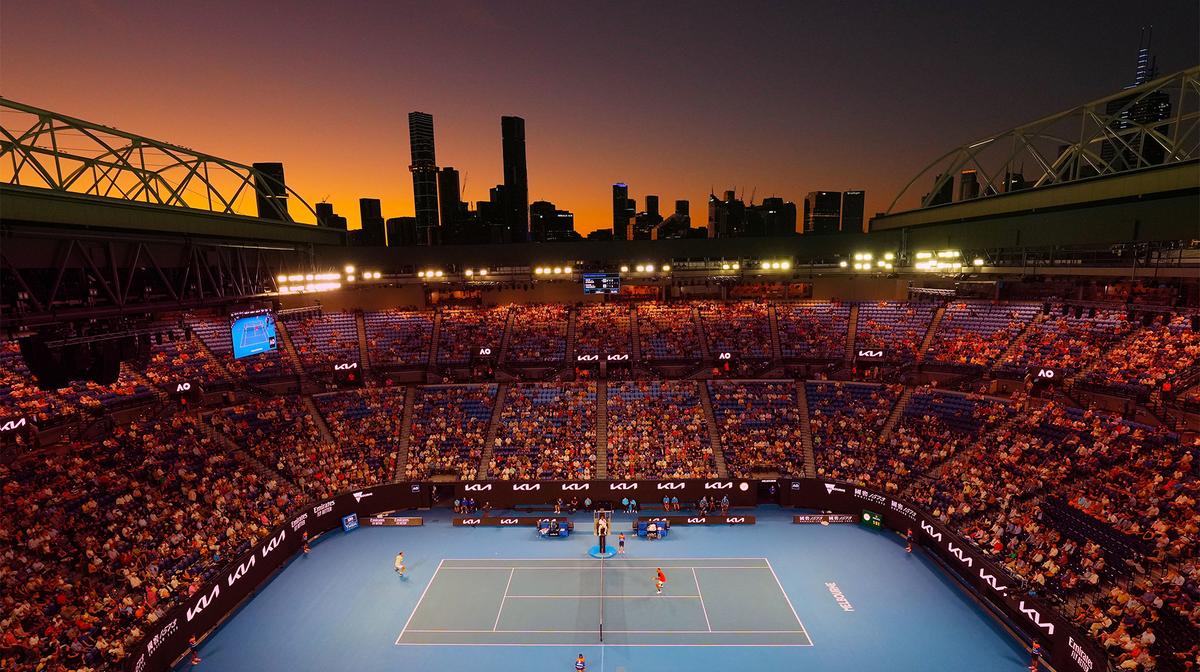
{"x":167,"y":639}
{"x":506,"y":494}
{"x":823,"y":518}
{"x":1070,"y":649}
{"x":510,"y":521}
{"x":697,"y":520}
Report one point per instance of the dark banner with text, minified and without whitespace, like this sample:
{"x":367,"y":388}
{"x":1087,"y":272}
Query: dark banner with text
{"x":510,"y":521}
{"x":167,"y":640}
{"x":696,"y":520}
{"x":611,"y":494}
{"x":1070,"y":649}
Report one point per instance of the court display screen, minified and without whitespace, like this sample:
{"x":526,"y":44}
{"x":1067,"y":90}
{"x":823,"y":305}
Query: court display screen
{"x":601,"y":283}
{"x":252,"y":332}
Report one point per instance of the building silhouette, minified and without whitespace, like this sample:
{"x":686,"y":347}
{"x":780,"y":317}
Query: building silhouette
{"x":968,"y":185}
{"x":549,"y":224}
{"x":726,"y":217}
{"x":402,"y":231}
{"x":624,"y":210}
{"x":678,"y":224}
{"x":853,"y":204}
{"x":823,"y":212}
{"x":516,"y":179}
{"x":1149,"y":111}
{"x":644,"y":223}
{"x":371,"y":218}
{"x":424,"y":175}
{"x":327,"y":218}
{"x":270,"y":191}
{"x":773,"y":217}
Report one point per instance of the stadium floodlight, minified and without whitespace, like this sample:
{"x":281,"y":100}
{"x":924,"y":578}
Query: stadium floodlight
{"x":666,"y":268}
{"x":924,"y":255}
{"x":309,"y":277}
{"x":420,"y":274}
{"x":948,"y":254}
{"x":558,"y":270}
{"x":567,"y":270}
{"x":468,"y":272}
{"x":843,"y":264}
{"x":483,"y":271}
{"x":888,"y":256}
{"x":350,"y":278}
{"x":438,"y":273}
{"x":349,"y":268}
{"x":378,"y":275}
{"x":736,"y":266}
{"x":978,"y":261}
{"x":649,"y":268}
{"x":724,"y":267}
{"x":281,"y":278}
{"x":641,"y":268}
{"x":624,"y":269}
{"x":888,"y":265}
{"x":785,"y":265}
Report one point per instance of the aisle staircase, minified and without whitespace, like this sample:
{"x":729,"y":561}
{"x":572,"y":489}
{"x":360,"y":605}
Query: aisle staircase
{"x":364,"y":361}
{"x":714,"y":434}
{"x":502,"y":356}
{"x":851,"y":334}
{"x":215,"y":357}
{"x":897,"y":413}
{"x":493,"y":427}
{"x":433,"y":341}
{"x":633,"y":334}
{"x":569,"y":357}
{"x":810,"y":460}
{"x":601,"y":429}
{"x":705,"y":352}
{"x":410,"y":399}
{"x":289,"y":349}
{"x":933,"y":327}
{"x":326,"y":435}
{"x":264,"y":470}
{"x":776,"y":345}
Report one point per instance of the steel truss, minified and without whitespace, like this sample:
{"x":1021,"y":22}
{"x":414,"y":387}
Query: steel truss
{"x":40,"y":148}
{"x":1096,"y":139}
{"x":105,"y":277}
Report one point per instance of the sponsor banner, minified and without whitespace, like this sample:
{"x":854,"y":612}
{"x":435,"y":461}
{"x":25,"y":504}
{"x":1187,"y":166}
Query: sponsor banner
{"x":1045,"y":374}
{"x":696,"y":520}
{"x":507,"y":494}
{"x":167,"y":639}
{"x":16,"y":424}
{"x":395,"y":521}
{"x":510,"y":521}
{"x":869,"y":354}
{"x":822,"y":518}
{"x":186,"y":389}
{"x":349,"y":522}
{"x":1070,"y":649}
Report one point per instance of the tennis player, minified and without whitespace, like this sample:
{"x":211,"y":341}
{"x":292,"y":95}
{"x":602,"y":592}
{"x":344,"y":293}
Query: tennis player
{"x":400,"y":564}
{"x":621,"y":543}
{"x":580,"y":663}
{"x":659,"y":581}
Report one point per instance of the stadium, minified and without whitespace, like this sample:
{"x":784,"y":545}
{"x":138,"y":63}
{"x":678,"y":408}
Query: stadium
{"x":963,"y":437}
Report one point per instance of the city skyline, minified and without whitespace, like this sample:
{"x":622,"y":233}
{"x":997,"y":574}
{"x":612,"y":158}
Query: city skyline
{"x":694,"y":115}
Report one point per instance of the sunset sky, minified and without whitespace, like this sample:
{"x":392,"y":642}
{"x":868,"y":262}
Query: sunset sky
{"x":673,"y":98}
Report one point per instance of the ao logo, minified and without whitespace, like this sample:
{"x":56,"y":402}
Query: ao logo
{"x":622,"y":486}
{"x":203,"y":602}
{"x":183,"y":387}
{"x":1045,"y":373}
{"x":527,"y":486}
{"x":477,"y":486}
{"x":484,"y":352}
{"x":671,"y":486}
{"x":345,"y":367}
{"x":587,"y":358}
{"x":576,"y":486}
{"x":725,"y":355}
{"x":12,"y":424}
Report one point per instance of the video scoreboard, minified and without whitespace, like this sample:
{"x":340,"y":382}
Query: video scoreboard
{"x":601,"y":283}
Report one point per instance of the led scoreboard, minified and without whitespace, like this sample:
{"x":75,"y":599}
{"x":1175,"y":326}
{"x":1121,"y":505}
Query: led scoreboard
{"x":601,"y":283}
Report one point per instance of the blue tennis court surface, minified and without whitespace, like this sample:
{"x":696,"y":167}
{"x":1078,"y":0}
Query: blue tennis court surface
{"x":562,"y":602}
{"x":502,"y":599}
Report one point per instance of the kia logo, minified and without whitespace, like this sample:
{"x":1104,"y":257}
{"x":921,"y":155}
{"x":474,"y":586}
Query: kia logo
{"x":203,"y":602}
{"x":470,"y":521}
{"x":958,"y":553}
{"x":576,"y":486}
{"x":622,"y":486}
{"x":735,"y":521}
{"x":617,"y":358}
{"x":870,"y":354}
{"x":345,"y":367}
{"x":718,"y":486}
{"x":991,"y":581}
{"x":671,"y":486}
{"x":587,"y":358}
{"x":697,"y":521}
{"x":510,"y":521}
{"x":183,"y":387}
{"x":274,"y":543}
{"x":241,"y":571}
{"x":12,"y":424}
{"x":1036,"y":617}
{"x":527,"y":486}
{"x":477,"y":486}
{"x":928,"y":529}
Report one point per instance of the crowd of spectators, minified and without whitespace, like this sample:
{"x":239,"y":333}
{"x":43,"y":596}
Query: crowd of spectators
{"x":366,"y":425}
{"x":324,"y":340}
{"x":1153,"y":355}
{"x":97,"y":398}
{"x":448,"y":430}
{"x":281,"y":433}
{"x":546,"y":431}
{"x":603,"y":329}
{"x":101,"y":541}
{"x":896,"y":327}
{"x":813,"y":330}
{"x":975,"y":333}
{"x":845,"y":420}
{"x":214,"y":332}
{"x":741,"y":328}
{"x":182,"y":359}
{"x":398,"y":337}
{"x":657,"y":430}
{"x":667,"y":332}
{"x":19,"y":393}
{"x":760,"y":428}
{"x":468,"y":334}
{"x":539,"y":334}
{"x":1068,"y":341}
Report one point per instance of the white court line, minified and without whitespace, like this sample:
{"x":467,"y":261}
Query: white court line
{"x":701,"y":596}
{"x":504,"y":599}
{"x":603,"y":597}
{"x":625,"y":632}
{"x":419,"y":599}
{"x":789,"y":602}
{"x":607,"y":567}
{"x":605,"y":646}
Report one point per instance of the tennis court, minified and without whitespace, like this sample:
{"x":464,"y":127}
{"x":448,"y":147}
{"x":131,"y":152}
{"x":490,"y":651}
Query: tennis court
{"x":563,"y":602}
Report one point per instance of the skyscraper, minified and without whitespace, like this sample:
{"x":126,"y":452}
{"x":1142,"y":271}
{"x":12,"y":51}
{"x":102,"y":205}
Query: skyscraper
{"x":270,"y":191}
{"x":516,"y":179}
{"x":450,"y":206}
{"x":968,"y":185}
{"x":822,"y":212}
{"x":424,"y":173}
{"x":853,"y":204}
{"x":1146,"y":112}
{"x":549,"y":224}
{"x":622,"y":212}
{"x":371,"y":218}
{"x":327,"y":218}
